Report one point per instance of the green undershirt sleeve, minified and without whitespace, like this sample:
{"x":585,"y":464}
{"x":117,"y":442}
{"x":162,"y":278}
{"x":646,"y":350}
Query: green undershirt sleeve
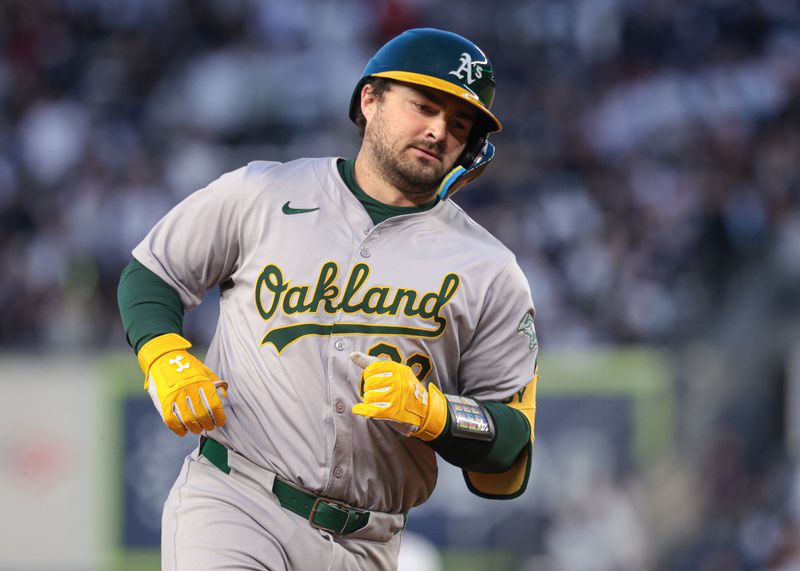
{"x":512,"y":435}
{"x":148,"y":305}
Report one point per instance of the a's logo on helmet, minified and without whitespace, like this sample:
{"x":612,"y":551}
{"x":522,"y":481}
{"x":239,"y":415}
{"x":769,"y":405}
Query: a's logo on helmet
{"x":469,"y":71}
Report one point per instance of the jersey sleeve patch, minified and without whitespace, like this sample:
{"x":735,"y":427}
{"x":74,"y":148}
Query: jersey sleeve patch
{"x":526,"y":328}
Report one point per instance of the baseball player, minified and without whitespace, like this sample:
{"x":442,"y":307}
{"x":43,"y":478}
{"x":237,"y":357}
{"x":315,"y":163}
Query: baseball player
{"x":366,"y":324}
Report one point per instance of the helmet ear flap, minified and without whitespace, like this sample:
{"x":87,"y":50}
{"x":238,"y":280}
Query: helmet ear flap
{"x":460,"y":176}
{"x":475,"y":143}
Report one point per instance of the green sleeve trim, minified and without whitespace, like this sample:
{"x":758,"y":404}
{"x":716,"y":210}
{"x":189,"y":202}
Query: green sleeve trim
{"x":148,"y":305}
{"x":512,"y":433}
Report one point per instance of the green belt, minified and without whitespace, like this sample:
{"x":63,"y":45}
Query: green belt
{"x":321,"y":513}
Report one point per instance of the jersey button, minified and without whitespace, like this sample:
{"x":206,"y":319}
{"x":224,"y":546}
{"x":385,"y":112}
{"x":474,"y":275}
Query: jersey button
{"x":365,"y":253}
{"x":339,"y":344}
{"x":339,"y":406}
{"x":338,"y":472}
{"x":366,"y":229}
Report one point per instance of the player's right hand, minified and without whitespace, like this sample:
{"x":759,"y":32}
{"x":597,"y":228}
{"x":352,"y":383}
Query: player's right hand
{"x":186,"y":393}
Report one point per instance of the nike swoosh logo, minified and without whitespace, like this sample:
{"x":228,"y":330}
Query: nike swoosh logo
{"x":289,"y":210}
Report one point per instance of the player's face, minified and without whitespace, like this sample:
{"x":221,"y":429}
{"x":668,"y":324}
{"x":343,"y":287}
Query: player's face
{"x":416,"y":134}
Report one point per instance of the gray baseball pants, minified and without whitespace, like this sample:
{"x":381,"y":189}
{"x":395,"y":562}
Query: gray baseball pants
{"x":215,"y":521}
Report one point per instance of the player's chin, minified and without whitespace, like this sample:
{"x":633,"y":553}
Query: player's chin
{"x":427,"y":178}
{"x":426,"y":168}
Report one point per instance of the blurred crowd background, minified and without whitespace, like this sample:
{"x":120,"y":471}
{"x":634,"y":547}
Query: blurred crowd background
{"x":648,"y":179}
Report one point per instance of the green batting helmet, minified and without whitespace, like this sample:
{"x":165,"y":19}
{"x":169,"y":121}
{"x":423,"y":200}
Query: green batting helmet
{"x":438,"y":59}
{"x":443,"y":61}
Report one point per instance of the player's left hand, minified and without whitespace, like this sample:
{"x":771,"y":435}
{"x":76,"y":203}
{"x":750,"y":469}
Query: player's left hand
{"x":391,"y":391}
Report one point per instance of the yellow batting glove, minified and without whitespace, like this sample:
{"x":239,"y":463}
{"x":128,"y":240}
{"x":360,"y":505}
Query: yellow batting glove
{"x":392,"y":392}
{"x":183,"y":389}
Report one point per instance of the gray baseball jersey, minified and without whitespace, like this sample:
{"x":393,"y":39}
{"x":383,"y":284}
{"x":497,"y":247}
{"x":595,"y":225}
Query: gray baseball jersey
{"x":305,"y":279}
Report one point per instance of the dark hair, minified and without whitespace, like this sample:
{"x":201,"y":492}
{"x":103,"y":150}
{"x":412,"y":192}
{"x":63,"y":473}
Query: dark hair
{"x":380,"y":85}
